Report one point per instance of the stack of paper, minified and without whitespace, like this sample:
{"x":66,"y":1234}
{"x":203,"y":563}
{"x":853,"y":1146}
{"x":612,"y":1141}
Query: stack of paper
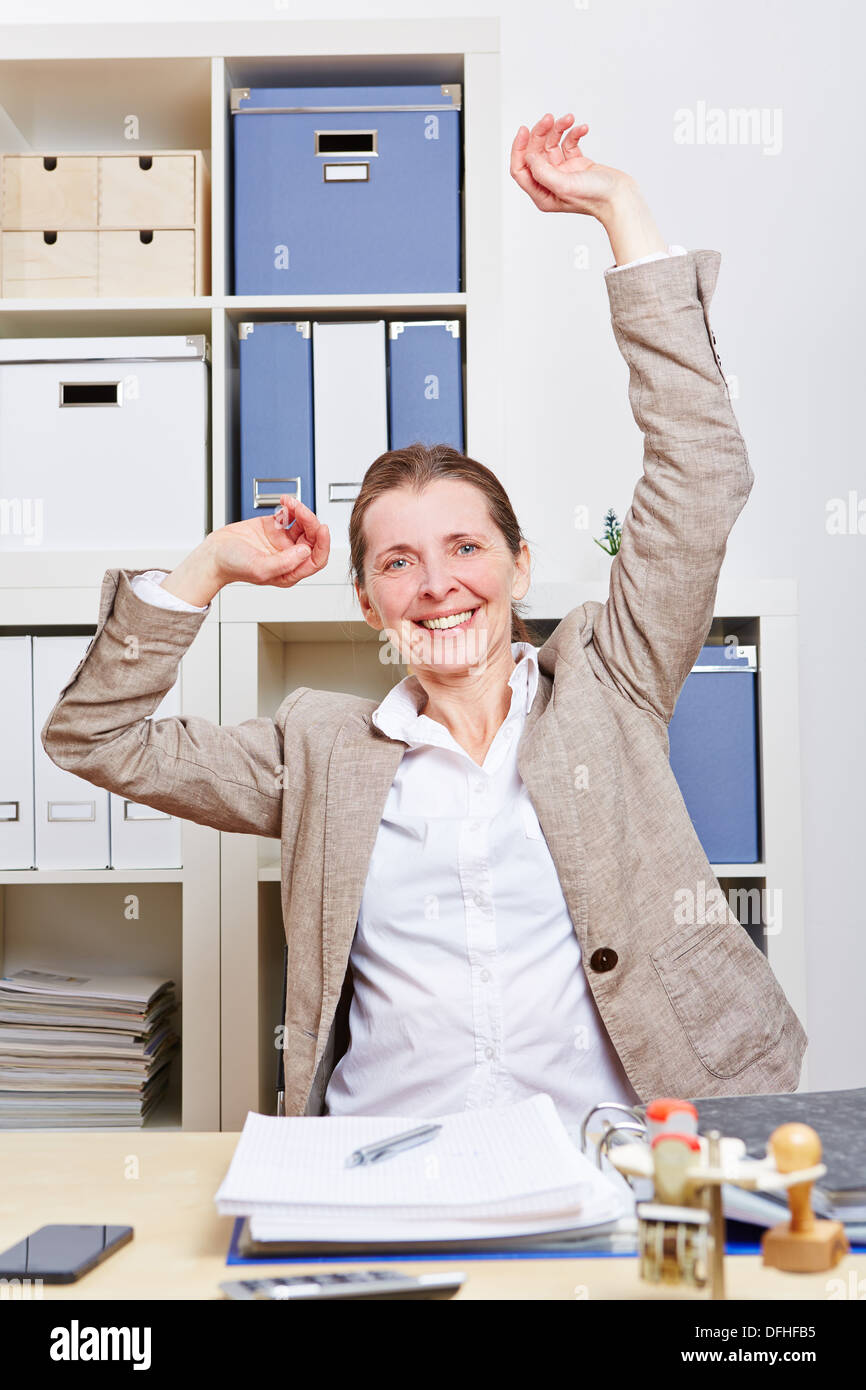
{"x":495,"y":1172}
{"x":772,"y":1209}
{"x":83,"y":1050}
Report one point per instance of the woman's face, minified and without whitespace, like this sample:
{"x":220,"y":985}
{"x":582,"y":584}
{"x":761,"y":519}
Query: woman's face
{"x":434,"y":554}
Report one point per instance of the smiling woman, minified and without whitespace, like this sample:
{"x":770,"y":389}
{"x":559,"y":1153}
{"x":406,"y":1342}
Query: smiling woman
{"x":482,"y":873}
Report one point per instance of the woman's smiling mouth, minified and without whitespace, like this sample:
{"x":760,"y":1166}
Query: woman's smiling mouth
{"x":452,"y":622}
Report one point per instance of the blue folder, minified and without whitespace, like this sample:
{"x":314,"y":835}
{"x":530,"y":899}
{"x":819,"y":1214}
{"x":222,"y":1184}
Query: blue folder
{"x":714,"y":753}
{"x":276,"y":416}
{"x":425,"y":383}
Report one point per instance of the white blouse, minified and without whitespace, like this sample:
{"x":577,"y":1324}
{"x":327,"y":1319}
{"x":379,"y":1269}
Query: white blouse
{"x":468,"y":985}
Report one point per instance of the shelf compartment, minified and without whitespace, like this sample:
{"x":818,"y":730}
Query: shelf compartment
{"x":101,"y":104}
{"x":95,"y":928}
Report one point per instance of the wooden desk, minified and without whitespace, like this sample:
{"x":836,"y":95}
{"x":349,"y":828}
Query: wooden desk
{"x":163,"y":1184}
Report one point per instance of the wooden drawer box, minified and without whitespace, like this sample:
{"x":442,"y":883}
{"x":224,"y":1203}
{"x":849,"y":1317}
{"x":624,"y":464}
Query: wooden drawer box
{"x":147,"y":216}
{"x":47,"y":265}
{"x":50,"y":192}
{"x":149,"y":191}
{"x":162,"y":262}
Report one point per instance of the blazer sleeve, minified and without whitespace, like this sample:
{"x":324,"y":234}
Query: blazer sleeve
{"x":695,"y":482}
{"x":228,"y":777}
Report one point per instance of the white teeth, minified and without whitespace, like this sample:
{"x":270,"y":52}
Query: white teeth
{"x":453,"y":621}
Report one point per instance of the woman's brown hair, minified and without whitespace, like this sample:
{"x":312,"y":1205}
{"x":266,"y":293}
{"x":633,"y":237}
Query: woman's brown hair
{"x":416,"y":466}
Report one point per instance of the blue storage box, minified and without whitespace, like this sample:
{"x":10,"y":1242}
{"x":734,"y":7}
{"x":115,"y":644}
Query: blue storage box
{"x":714,"y":753}
{"x":347,"y":190}
{"x":425,"y":383}
{"x":276,"y":416}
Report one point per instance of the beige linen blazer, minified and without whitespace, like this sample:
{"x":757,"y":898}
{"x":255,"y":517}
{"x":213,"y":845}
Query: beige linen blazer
{"x":690,"y":1004}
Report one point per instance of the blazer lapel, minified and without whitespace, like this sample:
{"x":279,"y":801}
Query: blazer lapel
{"x":362,"y":767}
{"x":544,"y":764}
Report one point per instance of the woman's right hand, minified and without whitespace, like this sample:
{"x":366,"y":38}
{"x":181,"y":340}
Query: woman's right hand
{"x":262,"y":551}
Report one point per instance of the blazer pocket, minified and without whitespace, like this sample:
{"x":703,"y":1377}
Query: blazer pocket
{"x":724,"y":993}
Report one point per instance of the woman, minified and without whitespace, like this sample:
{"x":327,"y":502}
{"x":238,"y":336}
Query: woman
{"x":490,"y":875}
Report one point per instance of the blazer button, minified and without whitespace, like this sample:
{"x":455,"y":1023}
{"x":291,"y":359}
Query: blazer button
{"x":603,"y":959}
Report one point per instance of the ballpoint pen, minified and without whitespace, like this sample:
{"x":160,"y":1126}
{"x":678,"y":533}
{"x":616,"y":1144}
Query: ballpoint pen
{"x":395,"y":1143}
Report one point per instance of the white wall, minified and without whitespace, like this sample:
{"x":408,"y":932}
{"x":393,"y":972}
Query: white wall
{"x":790,"y":293}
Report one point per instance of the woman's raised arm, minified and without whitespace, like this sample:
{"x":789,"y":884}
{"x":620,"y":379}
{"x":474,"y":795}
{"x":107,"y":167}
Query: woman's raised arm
{"x":231,"y":777}
{"x":696,"y":472}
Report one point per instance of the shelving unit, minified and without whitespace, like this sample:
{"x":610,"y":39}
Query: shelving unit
{"x":220,"y":916}
{"x":79,"y":916}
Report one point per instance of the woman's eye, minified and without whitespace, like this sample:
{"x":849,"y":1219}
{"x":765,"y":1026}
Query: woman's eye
{"x":468,"y":545}
{"x":399,"y":560}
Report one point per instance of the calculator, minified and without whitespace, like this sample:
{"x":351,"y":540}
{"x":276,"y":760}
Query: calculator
{"x":361,"y":1283}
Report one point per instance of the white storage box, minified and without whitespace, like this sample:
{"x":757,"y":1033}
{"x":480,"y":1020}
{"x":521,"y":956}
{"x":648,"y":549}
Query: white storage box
{"x":103,"y":443}
{"x":16,"y":753}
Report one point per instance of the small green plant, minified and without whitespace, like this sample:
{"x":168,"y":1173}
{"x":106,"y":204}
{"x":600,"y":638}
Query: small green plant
{"x":612,"y":534}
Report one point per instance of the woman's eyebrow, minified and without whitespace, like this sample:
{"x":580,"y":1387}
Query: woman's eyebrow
{"x":404,"y":545}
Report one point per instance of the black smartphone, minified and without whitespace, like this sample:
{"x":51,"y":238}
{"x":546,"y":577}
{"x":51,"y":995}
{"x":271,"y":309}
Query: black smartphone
{"x":61,"y":1254}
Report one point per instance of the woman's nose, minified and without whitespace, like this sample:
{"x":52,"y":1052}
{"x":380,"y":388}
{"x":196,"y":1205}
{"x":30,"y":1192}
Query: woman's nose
{"x":435,"y":580}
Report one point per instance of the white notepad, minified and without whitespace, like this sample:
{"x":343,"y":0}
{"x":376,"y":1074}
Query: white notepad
{"x":498,"y":1171}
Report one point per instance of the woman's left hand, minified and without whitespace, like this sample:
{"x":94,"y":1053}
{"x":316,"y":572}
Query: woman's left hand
{"x":562,"y":179}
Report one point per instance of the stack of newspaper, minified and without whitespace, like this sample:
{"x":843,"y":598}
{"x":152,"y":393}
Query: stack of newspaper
{"x":83,"y":1050}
